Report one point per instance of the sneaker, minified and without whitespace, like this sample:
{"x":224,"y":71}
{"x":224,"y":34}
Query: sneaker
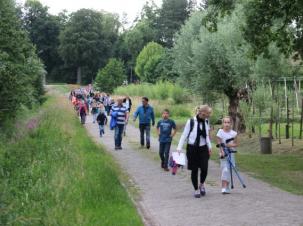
{"x":162,"y":165}
{"x":166,"y":169}
{"x":116,"y":148}
{"x":197,"y":194}
{"x":120,"y":148}
{"x":202,"y":190}
{"x":225,"y":191}
{"x":148,"y":146}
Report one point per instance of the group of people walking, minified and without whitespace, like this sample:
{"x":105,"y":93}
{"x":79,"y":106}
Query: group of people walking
{"x":196,"y":135}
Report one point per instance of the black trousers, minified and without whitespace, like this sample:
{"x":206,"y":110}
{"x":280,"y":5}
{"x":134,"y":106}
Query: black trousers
{"x":197,"y":159}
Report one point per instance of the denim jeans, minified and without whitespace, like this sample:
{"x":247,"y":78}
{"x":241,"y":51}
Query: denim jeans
{"x":101,"y":130}
{"x":164,"y":153}
{"x":95,"y":115}
{"x":144,"y":128}
{"x":118,"y":135}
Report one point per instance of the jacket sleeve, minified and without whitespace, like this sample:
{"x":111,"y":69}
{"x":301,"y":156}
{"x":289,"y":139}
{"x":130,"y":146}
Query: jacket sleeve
{"x":184,"y":135}
{"x":136,"y":113}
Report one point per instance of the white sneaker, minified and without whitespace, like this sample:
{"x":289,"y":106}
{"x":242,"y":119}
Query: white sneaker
{"x":225,"y":191}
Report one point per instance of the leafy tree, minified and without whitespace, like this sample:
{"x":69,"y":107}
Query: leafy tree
{"x":165,"y":68}
{"x":216,"y":62}
{"x":20,"y":69}
{"x":148,"y":60}
{"x":111,"y":76}
{"x":44,"y":30}
{"x":172,"y":16}
{"x":87,"y":41}
{"x":269,"y":21}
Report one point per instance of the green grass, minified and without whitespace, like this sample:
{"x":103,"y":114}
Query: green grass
{"x":284,"y":171}
{"x":54,"y":174}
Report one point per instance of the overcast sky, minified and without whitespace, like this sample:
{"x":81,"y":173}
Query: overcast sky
{"x":130,"y":7}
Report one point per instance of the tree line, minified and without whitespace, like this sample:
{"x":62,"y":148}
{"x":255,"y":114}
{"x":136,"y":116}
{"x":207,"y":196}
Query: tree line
{"x":212,"y":48}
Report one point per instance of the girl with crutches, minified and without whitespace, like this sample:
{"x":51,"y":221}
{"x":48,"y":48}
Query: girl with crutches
{"x":226,"y":138}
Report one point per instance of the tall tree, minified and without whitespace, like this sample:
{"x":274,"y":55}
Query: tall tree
{"x":44,"y":30}
{"x":172,"y":16}
{"x":268,"y":21}
{"x":215,"y":62}
{"x":87,"y":42}
{"x":20,"y":69}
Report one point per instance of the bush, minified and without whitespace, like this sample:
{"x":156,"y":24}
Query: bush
{"x":111,"y":76}
{"x":158,"y":91}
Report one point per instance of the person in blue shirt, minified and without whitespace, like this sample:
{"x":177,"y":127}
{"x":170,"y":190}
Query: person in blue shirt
{"x":146,"y":117}
{"x":166,"y":130}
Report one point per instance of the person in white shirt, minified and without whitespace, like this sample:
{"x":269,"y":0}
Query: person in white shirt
{"x":198,"y":148}
{"x":228,"y":137}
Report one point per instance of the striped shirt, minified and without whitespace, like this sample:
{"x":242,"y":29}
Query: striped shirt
{"x":121,"y":111}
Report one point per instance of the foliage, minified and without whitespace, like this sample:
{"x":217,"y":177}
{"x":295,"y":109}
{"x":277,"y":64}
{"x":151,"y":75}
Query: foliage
{"x":44,"y":29}
{"x":267,"y":21}
{"x":172,"y":15}
{"x":159,"y":91}
{"x":20,"y":69}
{"x":212,"y":63}
{"x":52,"y":173}
{"x":111,"y":76}
{"x":147,"y":62}
{"x":87,"y":40}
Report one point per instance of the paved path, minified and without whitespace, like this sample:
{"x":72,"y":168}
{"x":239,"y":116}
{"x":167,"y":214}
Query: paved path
{"x":167,"y":200}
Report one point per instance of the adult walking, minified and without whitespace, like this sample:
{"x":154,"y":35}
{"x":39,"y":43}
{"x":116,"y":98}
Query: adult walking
{"x":121,"y":113}
{"x":146,"y":118}
{"x":198,"y":148}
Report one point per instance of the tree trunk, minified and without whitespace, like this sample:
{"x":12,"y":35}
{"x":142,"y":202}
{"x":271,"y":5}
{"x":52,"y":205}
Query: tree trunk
{"x":238,"y":122}
{"x":79,"y":80}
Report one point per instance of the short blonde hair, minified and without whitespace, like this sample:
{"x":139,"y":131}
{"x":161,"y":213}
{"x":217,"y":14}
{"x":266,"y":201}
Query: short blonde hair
{"x":204,"y":108}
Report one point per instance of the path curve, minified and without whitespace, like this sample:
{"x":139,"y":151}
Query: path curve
{"x":167,"y":200}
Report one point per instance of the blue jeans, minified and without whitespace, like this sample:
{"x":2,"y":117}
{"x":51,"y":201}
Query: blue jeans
{"x":118,"y":135}
{"x":95,"y":115}
{"x":144,"y":128}
{"x":164,"y":153}
{"x":101,"y":130}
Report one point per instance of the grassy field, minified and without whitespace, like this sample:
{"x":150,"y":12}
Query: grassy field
{"x":52,"y":173}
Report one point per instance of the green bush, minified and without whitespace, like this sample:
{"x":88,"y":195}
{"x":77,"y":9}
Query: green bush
{"x":159,"y":91}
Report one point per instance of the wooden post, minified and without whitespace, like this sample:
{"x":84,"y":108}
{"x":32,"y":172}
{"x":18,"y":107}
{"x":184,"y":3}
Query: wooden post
{"x":292,"y":121}
{"x":287,"y":119}
{"x":301,"y":121}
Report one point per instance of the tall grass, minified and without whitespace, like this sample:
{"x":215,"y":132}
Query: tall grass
{"x":54,"y":174}
{"x":158,"y":91}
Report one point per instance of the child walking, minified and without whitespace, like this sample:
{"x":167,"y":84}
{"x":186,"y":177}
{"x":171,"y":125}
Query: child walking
{"x":102,"y":121}
{"x":166,"y":130}
{"x":226,"y":138}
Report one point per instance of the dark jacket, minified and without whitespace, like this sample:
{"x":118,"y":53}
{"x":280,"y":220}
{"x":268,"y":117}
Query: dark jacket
{"x":102,"y":119}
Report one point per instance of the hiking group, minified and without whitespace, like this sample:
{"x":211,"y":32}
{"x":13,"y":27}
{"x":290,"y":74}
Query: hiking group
{"x":196,"y":134}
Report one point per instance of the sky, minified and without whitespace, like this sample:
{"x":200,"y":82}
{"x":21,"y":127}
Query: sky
{"x":131,"y":7}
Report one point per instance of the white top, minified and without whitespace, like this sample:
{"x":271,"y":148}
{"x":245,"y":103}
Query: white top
{"x":193,"y":135}
{"x":126,"y":104}
{"x":226,"y":135}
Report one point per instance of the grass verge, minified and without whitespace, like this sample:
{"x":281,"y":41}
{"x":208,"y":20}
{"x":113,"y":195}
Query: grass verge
{"x":52,"y":173}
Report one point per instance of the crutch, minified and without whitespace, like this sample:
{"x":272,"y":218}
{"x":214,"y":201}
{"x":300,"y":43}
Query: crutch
{"x":227,"y":153}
